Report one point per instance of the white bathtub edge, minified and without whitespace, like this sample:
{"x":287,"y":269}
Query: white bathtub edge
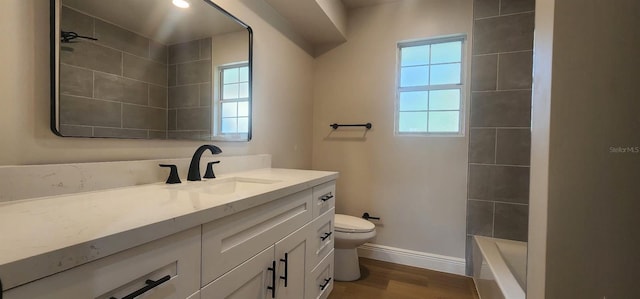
{"x":506,"y":282}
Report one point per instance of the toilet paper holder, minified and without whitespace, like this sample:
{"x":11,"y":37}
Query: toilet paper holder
{"x":366,"y":216}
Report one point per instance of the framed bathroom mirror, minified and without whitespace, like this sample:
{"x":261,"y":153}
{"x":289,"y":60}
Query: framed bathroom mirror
{"x":150,"y":69}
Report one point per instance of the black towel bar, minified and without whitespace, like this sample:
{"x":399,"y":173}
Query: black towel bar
{"x":367,"y":125}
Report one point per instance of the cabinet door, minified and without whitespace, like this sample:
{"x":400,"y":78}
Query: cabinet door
{"x":175,"y":258}
{"x":250,"y":280}
{"x":290,"y":256}
{"x":320,"y":280}
{"x":229,"y":241}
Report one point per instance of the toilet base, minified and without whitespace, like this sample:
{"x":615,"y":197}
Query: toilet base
{"x":347,"y":266}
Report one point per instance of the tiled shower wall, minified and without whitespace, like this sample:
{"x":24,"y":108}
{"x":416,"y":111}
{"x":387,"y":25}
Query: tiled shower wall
{"x":500,"y":136}
{"x":190,"y":90}
{"x":113,"y":87}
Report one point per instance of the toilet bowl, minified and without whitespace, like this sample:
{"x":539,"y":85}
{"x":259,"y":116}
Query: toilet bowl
{"x":350,"y":232}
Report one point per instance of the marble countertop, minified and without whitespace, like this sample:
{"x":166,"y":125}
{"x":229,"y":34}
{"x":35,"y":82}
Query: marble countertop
{"x":46,"y":235}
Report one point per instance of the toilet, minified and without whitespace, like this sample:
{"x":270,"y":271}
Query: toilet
{"x":350,"y":232}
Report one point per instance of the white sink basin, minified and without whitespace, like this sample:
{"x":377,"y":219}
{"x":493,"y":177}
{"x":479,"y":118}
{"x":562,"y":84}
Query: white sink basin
{"x":227,"y":185}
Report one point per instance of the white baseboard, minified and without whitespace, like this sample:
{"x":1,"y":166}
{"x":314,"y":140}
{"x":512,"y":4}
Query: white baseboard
{"x":413,"y":258}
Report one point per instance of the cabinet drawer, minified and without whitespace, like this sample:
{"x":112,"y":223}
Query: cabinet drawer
{"x":321,"y":238}
{"x":324,"y":198}
{"x":320,"y":280}
{"x":123,"y":273}
{"x":229,"y":241}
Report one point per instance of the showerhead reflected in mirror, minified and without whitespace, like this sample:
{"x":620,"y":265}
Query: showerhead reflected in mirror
{"x":150,"y":69}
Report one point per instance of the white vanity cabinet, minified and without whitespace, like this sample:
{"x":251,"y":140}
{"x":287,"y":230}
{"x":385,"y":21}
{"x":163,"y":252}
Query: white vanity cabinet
{"x":279,"y":249}
{"x":283,"y":270}
{"x":229,"y":241}
{"x":175,"y":257}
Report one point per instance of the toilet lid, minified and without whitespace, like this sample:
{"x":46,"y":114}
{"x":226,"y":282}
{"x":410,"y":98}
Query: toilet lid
{"x":350,"y":224}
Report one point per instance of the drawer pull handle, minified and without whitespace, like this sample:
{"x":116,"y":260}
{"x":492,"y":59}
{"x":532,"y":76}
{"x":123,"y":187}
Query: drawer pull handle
{"x":273,"y":279}
{"x":325,"y":284}
{"x":326,"y":197}
{"x":326,"y":235}
{"x":286,"y":268}
{"x":151,"y":284}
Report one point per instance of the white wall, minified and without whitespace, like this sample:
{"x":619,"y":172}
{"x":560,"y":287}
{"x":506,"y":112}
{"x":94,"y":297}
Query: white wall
{"x":416,"y":184}
{"x":586,"y":103}
{"x":282,"y":99}
{"x":540,"y":124}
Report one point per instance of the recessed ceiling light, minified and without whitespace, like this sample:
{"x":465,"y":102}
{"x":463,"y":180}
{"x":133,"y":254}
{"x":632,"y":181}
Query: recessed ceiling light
{"x":181,"y":3}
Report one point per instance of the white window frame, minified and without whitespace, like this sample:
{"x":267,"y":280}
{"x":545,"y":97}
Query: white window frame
{"x":217,"y":128}
{"x":462,"y":86}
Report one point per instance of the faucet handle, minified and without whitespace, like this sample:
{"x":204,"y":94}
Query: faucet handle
{"x":173,"y":175}
{"x":208,"y":174}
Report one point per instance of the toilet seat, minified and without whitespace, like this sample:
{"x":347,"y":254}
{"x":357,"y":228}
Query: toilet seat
{"x":350,"y":224}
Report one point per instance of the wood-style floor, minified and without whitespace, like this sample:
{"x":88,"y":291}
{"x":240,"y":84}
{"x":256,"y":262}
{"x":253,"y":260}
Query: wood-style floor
{"x":382,"y":280}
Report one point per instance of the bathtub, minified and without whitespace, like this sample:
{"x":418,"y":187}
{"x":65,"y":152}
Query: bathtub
{"x":499,"y":268}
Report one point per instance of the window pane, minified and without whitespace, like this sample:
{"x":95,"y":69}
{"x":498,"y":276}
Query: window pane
{"x":413,"y":100}
{"x":412,"y":121}
{"x":243,"y":125}
{"x":244,"y":90}
{"x":414,"y":76}
{"x":444,"y":99}
{"x":444,"y":121}
{"x":230,"y":76}
{"x":445,"y":74}
{"x":229,"y":109}
{"x":244,"y":74}
{"x":446,"y":52}
{"x":229,"y":91}
{"x":414,"y":55}
{"x":229,"y":125}
{"x":243,"y":108}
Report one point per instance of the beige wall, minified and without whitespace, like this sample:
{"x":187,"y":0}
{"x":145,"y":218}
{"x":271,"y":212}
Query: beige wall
{"x":588,"y":104}
{"x":282,"y":98}
{"x":416,"y":184}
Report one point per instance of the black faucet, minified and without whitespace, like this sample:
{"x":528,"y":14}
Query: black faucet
{"x":194,"y":167}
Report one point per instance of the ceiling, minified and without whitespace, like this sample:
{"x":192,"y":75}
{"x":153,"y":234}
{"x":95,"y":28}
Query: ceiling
{"x":361,"y":3}
{"x":322,"y":23}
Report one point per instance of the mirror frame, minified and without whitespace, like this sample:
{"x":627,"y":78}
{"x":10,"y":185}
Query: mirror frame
{"x":54,"y":41}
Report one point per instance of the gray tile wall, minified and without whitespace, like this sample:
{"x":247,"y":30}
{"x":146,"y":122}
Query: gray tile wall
{"x":190,"y":73}
{"x":500,"y":120}
{"x":113,"y":87}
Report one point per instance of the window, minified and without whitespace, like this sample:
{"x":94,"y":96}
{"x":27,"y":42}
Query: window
{"x":430,"y":88}
{"x":234,"y":100}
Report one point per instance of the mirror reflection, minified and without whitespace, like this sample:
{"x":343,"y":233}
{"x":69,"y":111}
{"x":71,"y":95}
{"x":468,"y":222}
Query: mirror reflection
{"x":151,"y":69}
